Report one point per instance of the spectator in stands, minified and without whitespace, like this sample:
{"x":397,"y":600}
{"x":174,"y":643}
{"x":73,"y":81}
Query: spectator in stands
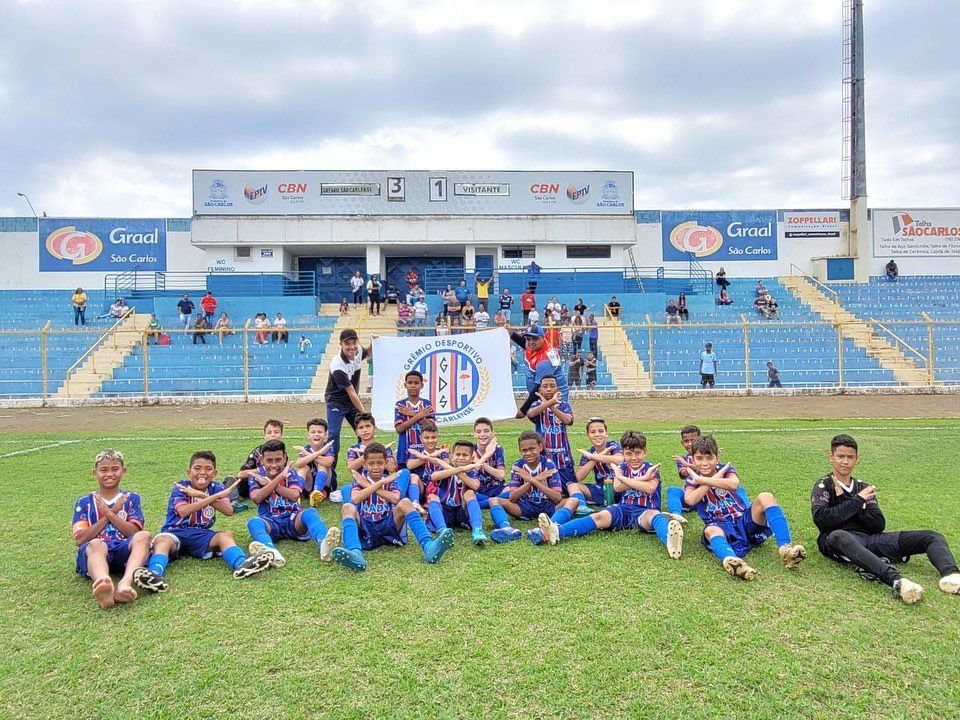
{"x":552,"y":305}
{"x":564,"y":315}
{"x":223,"y":327}
{"x":482,"y":318}
{"x":724,"y":299}
{"x":590,"y":366}
{"x":467,"y":313}
{"x":404,"y":318}
{"x":672,"y":313}
{"x":893,"y":272}
{"x":412,"y":280}
{"x":483,"y":290}
{"x":528,"y":302}
{"x":117,"y":310}
{"x":344,"y":305}
{"x":575,"y":371}
{"x":533,"y":316}
{"x":682,"y":307}
{"x":303,"y":343}
{"x":451,"y":304}
{"x":614,"y":308}
{"x":593,"y":333}
{"x":761,"y":290}
{"x":393,"y":294}
{"x":514,"y":363}
{"x":420,"y":310}
{"x":772,"y":307}
{"x":262,"y":326}
{"x":506,"y":302}
{"x":374,"y":286}
{"x":500,"y":319}
{"x":280,"y":329}
{"x":209,"y":304}
{"x":566,"y":340}
{"x":773,"y":375}
{"x":79,"y":301}
{"x":552,"y":333}
{"x":578,"y":331}
{"x":443,"y":325}
{"x":580,"y":308}
{"x":534,"y":271}
{"x":155,"y":329}
{"x":760,"y":305}
{"x":357,"y":284}
{"x":708,"y":367}
{"x":200,"y":327}
{"x":722,"y":279}
{"x":462,"y":292}
{"x":413,"y":294}
{"x":186,"y":307}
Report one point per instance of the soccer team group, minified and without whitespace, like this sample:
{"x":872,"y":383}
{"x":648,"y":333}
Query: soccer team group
{"x":427,"y":488}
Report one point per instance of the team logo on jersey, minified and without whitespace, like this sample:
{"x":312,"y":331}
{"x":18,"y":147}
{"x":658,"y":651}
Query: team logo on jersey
{"x":122,"y":515}
{"x":207,"y":512}
{"x":77,"y":246}
{"x":691,"y":237}
{"x":454,"y":379}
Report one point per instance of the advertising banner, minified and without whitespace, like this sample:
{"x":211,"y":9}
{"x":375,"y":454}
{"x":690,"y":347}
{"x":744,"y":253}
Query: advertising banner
{"x":916,"y":233}
{"x":719,"y":236}
{"x":464,"y":376}
{"x":406,"y":192}
{"x":799,"y":224}
{"x":97,"y":245}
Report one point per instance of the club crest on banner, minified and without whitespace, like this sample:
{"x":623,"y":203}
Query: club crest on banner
{"x":454,"y":378}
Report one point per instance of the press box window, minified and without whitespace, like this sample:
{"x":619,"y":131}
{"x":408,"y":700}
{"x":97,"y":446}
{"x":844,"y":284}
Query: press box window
{"x":518,"y":252}
{"x":242,"y":253}
{"x":575,"y":252}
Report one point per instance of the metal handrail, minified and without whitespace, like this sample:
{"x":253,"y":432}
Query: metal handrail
{"x":899,"y":340}
{"x":96,"y":343}
{"x":811,"y":278}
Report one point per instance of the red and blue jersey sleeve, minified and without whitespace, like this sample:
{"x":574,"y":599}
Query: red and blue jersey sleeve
{"x":134,"y":510}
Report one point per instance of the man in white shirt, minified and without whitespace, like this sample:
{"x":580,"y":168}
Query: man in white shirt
{"x":420,"y":310}
{"x":280,"y":329}
{"x":356,"y":284}
{"x":533,"y":317}
{"x":708,"y":367}
{"x":482,"y":318}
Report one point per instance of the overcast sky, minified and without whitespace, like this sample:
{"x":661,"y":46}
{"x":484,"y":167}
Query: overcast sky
{"x":106,"y":106}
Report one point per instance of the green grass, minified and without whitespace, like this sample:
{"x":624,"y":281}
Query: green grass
{"x":605,"y":626}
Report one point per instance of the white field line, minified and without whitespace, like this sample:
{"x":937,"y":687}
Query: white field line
{"x":27,"y":451}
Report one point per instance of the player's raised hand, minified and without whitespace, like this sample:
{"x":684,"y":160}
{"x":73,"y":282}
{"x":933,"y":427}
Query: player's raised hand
{"x":230,"y":488}
{"x":651,"y":472}
{"x":389,"y":444}
{"x":723,"y":471}
{"x":300,"y":449}
{"x":326,"y":446}
{"x":693,"y":477}
{"x":868,"y":494}
{"x":191,"y":491}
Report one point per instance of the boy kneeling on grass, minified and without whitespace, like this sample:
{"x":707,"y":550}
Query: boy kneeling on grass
{"x":108,"y":530}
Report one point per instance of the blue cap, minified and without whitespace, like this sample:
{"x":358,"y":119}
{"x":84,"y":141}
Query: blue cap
{"x":534,"y":331}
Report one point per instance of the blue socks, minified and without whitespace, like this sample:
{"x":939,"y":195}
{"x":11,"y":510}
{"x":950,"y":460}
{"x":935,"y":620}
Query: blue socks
{"x":345,"y":491}
{"x":414,"y":493}
{"x":233,"y":556}
{"x":158,"y":563}
{"x":483,"y":500}
{"x":320,"y":480}
{"x":473,"y":512}
{"x":578,"y":527}
{"x":580,"y":496}
{"x":562,"y":515}
{"x":499,"y":516}
{"x":351,"y":534}
{"x":419,"y":528}
{"x":315,"y":525}
{"x":777,"y":522}
{"x":659,"y":524}
{"x":675,"y":500}
{"x":258,"y":531}
{"x":721,"y":548}
{"x":403,"y":482}
{"x":436,"y":515}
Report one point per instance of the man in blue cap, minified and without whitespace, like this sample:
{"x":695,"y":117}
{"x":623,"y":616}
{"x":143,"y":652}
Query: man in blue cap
{"x":539,"y":360}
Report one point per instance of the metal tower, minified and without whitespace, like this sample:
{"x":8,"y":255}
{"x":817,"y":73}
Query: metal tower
{"x":854,"y":169}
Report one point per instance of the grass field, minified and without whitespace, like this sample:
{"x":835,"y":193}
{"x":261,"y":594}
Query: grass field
{"x":605,"y":626}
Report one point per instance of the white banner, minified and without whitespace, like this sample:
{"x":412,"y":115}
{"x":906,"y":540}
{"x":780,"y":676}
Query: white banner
{"x":916,"y":233}
{"x":465,"y":376}
{"x":811,"y":224}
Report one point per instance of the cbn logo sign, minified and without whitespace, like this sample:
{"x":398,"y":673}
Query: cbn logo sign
{"x":690,"y":237}
{"x":78,"y":246}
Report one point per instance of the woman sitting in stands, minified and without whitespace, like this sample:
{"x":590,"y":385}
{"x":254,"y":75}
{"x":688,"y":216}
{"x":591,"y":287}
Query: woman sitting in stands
{"x":682,"y":307}
{"x":772,"y":308}
{"x":722,"y":279}
{"x":760,"y":305}
{"x":724,"y":299}
{"x":223,"y":327}
{"x":262,"y":326}
{"x":154,"y":330}
{"x":200,"y":327}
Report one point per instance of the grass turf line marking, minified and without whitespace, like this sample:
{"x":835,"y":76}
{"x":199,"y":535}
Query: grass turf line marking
{"x":27,"y":451}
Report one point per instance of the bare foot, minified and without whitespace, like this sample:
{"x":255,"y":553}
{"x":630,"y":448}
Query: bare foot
{"x":124,"y":593}
{"x":103,"y":593}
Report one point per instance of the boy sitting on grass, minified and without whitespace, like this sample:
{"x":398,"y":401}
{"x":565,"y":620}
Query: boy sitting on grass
{"x":410,"y":485}
{"x":314,"y":461}
{"x":108,"y":530}
{"x":491,"y":473}
{"x":272,"y":430}
{"x":188,"y":528}
{"x":604,"y":456}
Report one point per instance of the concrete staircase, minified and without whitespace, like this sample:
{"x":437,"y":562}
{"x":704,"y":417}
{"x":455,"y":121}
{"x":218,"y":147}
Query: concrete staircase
{"x":891,"y":357}
{"x":105,"y":356}
{"x":359,"y":319}
{"x":625,"y":367}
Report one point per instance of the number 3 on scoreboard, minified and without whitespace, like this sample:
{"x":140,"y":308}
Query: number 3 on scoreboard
{"x":396,"y":189}
{"x":438,"y":189}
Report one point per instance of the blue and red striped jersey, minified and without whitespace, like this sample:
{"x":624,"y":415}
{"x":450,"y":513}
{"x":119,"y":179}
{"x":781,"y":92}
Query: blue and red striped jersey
{"x":719,"y":505}
{"x":85,"y":515}
{"x":603,"y":471}
{"x":275,"y":505}
{"x":202,"y":519}
{"x":636,"y":497}
{"x":555,"y":441}
{"x":535,"y":494}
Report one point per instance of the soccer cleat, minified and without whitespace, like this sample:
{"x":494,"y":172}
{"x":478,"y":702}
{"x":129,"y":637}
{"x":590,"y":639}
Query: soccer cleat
{"x":419,"y":508}
{"x":739,"y":569}
{"x":350,"y":559}
{"x":239,"y":506}
{"x":276,"y":559}
{"x":583,"y":510}
{"x":317,"y":497}
{"x":147,"y":579}
{"x":535,"y":536}
{"x":674,"y":539}
{"x":479,"y":537}
{"x":505,"y":535}
{"x":434,"y":550}
{"x":336,"y":496}
{"x":331,"y":541}
{"x":950,"y":584}
{"x":678,"y":517}
{"x":550,"y":530}
{"x":253,"y":565}
{"x":792,"y":556}
{"x":908,"y":591}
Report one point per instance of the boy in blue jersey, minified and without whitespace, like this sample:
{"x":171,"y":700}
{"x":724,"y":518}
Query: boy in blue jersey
{"x":452,"y":491}
{"x":638,"y":483}
{"x":551,"y":415}
{"x":108,"y":530}
{"x":377,"y":511}
{"x":188,"y":528}
{"x":602,"y":459}
{"x":491,"y":472}
{"x":314,"y":461}
{"x":675,"y":504}
{"x":410,"y":486}
{"x":408,"y":414}
{"x":272,"y":430}
{"x":731,"y":526}
{"x":277,"y":494}
{"x":534,"y":488}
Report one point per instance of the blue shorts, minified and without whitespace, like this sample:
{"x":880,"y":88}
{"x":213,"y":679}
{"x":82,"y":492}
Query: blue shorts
{"x":595,"y":496}
{"x":118,"y":552}
{"x":284,"y":528}
{"x":567,"y":476}
{"x":374,"y":533}
{"x":491,"y":489}
{"x":627,"y":517}
{"x":742,"y":534}
{"x":530,"y":509}
{"x":191,"y":542}
{"x":453,"y":516}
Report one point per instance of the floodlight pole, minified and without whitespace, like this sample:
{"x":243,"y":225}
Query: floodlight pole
{"x":859,"y":239}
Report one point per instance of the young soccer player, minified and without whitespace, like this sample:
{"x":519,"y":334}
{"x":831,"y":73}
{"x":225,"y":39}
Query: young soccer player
{"x":675,"y":503}
{"x":276,"y":491}
{"x":491,"y":472}
{"x":376,"y":513}
{"x":188,"y":528}
{"x":638,"y":483}
{"x":452,"y":491}
{"x":602,"y":459}
{"x":551,"y":415}
{"x":535,"y":487}
{"x":731,"y":526}
{"x":851,"y":525}
{"x":108,"y":530}
{"x":272,"y":430}
{"x":314,"y":461}
{"x":410,"y":487}
{"x":408,"y":414}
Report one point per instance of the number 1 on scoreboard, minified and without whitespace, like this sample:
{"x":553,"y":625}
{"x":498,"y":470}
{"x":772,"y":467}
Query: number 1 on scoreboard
{"x":438,"y":189}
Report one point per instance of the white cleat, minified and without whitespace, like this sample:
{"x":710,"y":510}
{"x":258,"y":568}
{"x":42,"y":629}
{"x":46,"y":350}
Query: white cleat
{"x":550,"y":530}
{"x":331,"y":541}
{"x":678,"y":517}
{"x":908,"y":591}
{"x":950,"y":584}
{"x":276,"y":559}
{"x":674,"y":539}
